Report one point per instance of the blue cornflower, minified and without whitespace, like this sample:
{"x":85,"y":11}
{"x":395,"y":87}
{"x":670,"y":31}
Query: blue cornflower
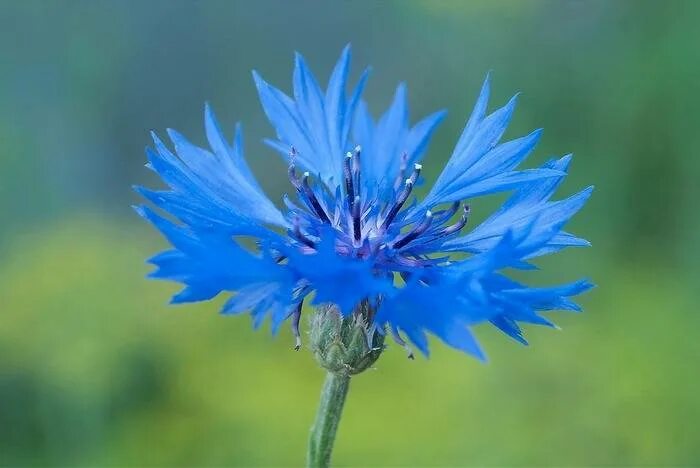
{"x":354,"y":233}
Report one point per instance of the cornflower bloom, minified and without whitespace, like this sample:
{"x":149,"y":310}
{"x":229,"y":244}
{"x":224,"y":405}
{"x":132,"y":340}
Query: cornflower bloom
{"x":353,"y":239}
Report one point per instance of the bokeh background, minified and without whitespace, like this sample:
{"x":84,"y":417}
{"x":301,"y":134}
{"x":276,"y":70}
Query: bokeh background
{"x":96,"y":369}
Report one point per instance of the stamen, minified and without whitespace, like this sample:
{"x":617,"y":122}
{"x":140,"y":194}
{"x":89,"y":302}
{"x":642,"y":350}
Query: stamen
{"x":400,"y":341}
{"x":458,"y":225}
{"x":416,"y":172}
{"x":402,"y":170}
{"x":356,"y":167}
{"x":313,"y":200}
{"x":403,"y":196}
{"x":420,"y":229}
{"x":349,"y":182}
{"x":443,"y":215}
{"x":300,"y":235}
{"x":296,"y":316}
{"x":291,"y":171}
{"x":356,"y":219}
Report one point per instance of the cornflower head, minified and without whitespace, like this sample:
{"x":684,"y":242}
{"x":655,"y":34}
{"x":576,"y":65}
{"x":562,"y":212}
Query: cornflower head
{"x":352,"y":238}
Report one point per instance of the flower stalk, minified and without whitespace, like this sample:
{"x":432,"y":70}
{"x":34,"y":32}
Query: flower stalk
{"x":330,"y":408}
{"x":343,"y":346}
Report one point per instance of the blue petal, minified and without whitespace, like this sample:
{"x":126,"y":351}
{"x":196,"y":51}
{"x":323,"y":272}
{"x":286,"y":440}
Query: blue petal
{"x":478,"y":166}
{"x":335,"y":103}
{"x":385,"y":144}
{"x":481,"y":139}
{"x":352,"y":106}
{"x":339,"y":279}
{"x":229,"y":156}
{"x":419,"y":136}
{"x":510,"y":327}
{"x":247,"y":298}
{"x":208,"y":263}
{"x":310,"y":105}
{"x":315,"y":123}
{"x":291,"y":130}
{"x":198,"y":177}
{"x":498,"y":183}
{"x":529,"y":203}
{"x":505,"y":157}
{"x":445,"y":310}
{"x":382,"y":154}
{"x":475,"y":118}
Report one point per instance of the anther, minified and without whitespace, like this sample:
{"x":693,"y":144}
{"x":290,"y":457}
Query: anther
{"x":320,"y":212}
{"x":403,"y":196}
{"x":349,"y":182}
{"x":444,"y":215}
{"x":402,"y":170}
{"x":420,"y":229}
{"x":356,"y":167}
{"x":400,"y":341}
{"x":458,"y":225}
{"x":356,"y":224}
{"x":291,"y":171}
{"x":296,"y":316}
{"x":416,"y":172}
{"x":300,"y":235}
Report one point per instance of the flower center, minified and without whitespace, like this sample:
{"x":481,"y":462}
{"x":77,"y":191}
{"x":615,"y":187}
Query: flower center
{"x":364,"y":225}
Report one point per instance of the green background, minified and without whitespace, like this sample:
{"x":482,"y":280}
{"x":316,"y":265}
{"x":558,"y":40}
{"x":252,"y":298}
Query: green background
{"x":96,"y":369}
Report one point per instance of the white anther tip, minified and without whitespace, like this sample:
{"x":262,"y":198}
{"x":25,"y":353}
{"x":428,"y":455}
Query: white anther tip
{"x":428,"y":214}
{"x":358,"y":148}
{"x":417,"y":166}
{"x":409,"y":182}
{"x":306,"y":174}
{"x":348,"y":155}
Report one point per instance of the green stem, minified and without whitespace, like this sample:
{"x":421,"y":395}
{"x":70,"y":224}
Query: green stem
{"x":333,"y":394}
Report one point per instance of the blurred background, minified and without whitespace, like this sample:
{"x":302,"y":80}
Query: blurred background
{"x":96,"y":369}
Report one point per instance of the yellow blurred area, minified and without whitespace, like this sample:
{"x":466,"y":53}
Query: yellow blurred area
{"x":101,"y":371}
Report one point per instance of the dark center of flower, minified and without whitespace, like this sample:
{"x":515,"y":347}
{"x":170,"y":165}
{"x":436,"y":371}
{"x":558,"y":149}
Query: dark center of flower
{"x":365,"y":226}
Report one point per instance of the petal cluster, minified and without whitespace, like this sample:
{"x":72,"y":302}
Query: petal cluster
{"x":352,"y":230}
